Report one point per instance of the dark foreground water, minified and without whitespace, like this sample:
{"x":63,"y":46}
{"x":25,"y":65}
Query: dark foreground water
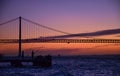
{"x":68,"y":66}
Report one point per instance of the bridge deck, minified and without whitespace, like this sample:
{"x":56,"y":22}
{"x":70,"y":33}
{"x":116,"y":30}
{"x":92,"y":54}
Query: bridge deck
{"x":61,"y":40}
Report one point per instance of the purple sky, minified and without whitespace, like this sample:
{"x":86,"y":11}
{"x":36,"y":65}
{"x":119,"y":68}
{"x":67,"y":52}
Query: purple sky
{"x":73,"y":16}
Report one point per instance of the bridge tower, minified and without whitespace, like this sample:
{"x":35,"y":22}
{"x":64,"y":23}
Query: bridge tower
{"x":20,"y":42}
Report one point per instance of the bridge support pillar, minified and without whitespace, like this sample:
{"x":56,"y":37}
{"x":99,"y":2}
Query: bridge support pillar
{"x":19,"y":53}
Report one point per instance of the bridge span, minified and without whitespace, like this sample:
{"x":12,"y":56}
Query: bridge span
{"x":60,"y":41}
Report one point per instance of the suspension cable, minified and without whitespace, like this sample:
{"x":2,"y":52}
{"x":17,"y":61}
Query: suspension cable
{"x":45,"y":26}
{"x":48,"y":27}
{"x":8,"y":21}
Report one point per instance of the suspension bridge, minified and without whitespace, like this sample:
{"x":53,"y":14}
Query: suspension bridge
{"x":21,"y":30}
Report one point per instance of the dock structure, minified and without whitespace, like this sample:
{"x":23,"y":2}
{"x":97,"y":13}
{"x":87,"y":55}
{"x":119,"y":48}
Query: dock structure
{"x":40,"y":61}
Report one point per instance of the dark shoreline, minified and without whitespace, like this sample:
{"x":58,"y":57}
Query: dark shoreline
{"x":89,"y":57}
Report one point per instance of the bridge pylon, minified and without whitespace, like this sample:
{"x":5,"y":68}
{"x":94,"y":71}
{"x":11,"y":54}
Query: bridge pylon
{"x":20,"y":40}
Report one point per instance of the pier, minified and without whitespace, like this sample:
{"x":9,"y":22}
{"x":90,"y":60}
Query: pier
{"x":40,"y":61}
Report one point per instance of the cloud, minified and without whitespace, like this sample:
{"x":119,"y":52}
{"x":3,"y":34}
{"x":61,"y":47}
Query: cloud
{"x":117,"y":36}
{"x":97,"y":33}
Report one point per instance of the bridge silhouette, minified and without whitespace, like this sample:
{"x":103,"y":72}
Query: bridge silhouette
{"x":38,"y":37}
{"x":51,"y":39}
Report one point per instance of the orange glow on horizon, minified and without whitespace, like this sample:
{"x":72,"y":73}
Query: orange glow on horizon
{"x":62,"y":48}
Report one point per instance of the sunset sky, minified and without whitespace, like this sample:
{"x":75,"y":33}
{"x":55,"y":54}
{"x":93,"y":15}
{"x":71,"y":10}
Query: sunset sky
{"x":72,"y":16}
